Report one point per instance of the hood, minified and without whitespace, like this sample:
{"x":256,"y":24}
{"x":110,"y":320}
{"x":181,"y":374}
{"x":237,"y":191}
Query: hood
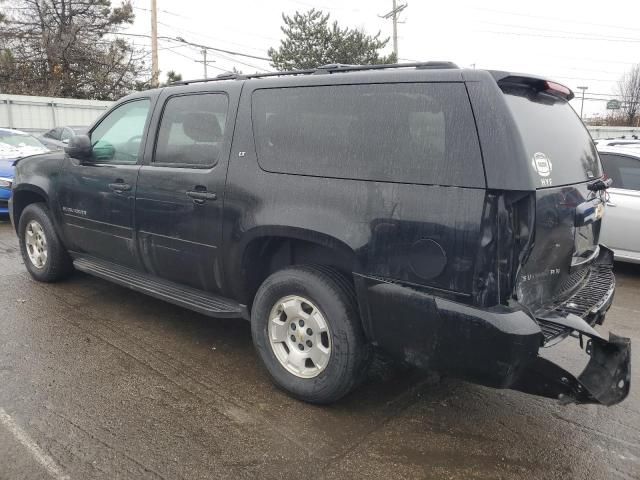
{"x":12,"y":153}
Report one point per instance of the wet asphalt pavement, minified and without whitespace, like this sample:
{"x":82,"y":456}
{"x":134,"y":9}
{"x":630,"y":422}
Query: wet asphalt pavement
{"x":97,"y":381}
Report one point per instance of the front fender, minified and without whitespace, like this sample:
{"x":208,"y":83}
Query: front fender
{"x":35,"y":180}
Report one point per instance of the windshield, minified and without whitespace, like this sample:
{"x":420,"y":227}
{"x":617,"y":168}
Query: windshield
{"x":559,"y":147}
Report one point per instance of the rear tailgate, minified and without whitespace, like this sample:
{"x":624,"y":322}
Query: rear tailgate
{"x":564,"y":162}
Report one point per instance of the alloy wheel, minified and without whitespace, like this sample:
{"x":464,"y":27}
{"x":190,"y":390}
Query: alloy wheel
{"x":299,"y":336}
{"x":36,"y":243}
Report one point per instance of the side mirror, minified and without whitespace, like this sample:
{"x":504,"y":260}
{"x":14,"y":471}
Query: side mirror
{"x":79,"y":147}
{"x":65,"y":141}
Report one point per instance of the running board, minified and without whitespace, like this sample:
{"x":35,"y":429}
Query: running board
{"x":187,"y":297}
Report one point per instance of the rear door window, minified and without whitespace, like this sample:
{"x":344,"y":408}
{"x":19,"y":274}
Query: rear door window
{"x":411,"y":133}
{"x":623,"y":170}
{"x":192,"y":130}
{"x":559,"y":148}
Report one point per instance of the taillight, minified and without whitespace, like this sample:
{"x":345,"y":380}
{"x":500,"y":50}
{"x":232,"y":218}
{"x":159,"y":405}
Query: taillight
{"x":558,"y":89}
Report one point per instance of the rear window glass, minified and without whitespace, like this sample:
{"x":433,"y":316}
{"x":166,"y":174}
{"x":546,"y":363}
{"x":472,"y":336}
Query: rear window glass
{"x":413,"y":133}
{"x":559,"y":148}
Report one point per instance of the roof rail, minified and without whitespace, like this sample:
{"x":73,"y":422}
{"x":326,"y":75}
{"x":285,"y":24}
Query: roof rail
{"x":324,"y":69}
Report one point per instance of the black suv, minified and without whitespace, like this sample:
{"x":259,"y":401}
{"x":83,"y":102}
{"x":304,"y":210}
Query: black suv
{"x":450,"y":217}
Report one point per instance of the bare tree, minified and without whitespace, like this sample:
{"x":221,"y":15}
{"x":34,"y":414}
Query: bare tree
{"x":629,"y":91}
{"x":67,"y":48}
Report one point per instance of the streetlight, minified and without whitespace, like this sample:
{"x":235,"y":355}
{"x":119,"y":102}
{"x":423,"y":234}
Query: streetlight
{"x":582,"y":102}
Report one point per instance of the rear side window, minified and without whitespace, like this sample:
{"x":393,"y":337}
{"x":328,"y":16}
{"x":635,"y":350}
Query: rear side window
{"x":559,"y":148}
{"x":54,"y":134}
{"x":192,"y":130}
{"x":413,"y":133}
{"x":623,"y":170}
{"x":67,"y":133}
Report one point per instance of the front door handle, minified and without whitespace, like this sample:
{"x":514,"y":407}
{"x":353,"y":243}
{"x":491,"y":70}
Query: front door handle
{"x":200,"y":196}
{"x":120,"y":187}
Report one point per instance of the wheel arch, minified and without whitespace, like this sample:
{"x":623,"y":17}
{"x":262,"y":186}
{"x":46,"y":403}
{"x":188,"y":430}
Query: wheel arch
{"x":23,"y":196}
{"x":268,"y":249}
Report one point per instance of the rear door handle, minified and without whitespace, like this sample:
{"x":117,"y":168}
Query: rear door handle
{"x":120,"y":187}
{"x":201,"y":196}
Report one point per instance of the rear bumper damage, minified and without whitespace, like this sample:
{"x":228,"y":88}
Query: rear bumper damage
{"x":606,"y":377}
{"x":505,"y":347}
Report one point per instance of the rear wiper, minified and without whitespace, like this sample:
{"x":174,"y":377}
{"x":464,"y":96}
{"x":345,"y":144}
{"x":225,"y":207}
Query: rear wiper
{"x":600,"y":185}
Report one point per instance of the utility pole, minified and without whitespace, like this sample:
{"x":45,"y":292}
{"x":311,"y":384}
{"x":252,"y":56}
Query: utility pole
{"x":154,"y":44}
{"x":582,"y":102}
{"x":393,"y":15}
{"x":395,"y":29}
{"x":203,"y":50}
{"x":204,"y":57}
{"x":204,"y":61}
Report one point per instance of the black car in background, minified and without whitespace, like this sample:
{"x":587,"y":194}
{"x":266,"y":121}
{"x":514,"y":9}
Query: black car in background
{"x":450,"y":217}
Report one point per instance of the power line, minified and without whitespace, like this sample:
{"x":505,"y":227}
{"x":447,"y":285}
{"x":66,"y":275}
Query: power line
{"x":563,"y":20}
{"x":583,"y":35}
{"x":161,"y":11}
{"x":603,"y":94}
{"x":182,"y":30}
{"x":325,"y":7}
{"x":181,"y":40}
{"x":563,"y":37}
{"x":220,"y":56}
{"x":590,"y":60}
{"x":195,"y":60}
{"x":238,"y":61}
{"x":231,"y":52}
{"x":604,"y":80}
{"x":235,"y":30}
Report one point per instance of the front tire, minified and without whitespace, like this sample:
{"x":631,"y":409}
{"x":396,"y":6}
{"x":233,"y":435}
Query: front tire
{"x":307,"y":331}
{"x":44,"y":255}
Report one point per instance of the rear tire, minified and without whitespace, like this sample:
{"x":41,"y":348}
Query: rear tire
{"x":44,"y":255}
{"x":323,"y":359}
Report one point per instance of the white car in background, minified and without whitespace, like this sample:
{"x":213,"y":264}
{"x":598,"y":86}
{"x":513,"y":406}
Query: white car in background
{"x":617,"y":142}
{"x":621,"y":223}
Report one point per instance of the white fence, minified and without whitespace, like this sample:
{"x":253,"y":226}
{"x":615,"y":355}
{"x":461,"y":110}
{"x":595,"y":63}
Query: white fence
{"x":38,"y":114}
{"x":614,"y":132}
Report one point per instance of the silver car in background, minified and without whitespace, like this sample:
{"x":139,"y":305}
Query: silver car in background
{"x":621,"y":223}
{"x":57,"y":138}
{"x":617,"y":142}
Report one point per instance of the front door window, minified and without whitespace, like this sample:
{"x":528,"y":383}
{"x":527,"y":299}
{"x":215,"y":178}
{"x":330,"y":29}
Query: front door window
{"x":117,"y":139}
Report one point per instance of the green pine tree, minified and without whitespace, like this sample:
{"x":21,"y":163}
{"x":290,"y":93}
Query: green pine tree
{"x":311,"y":41}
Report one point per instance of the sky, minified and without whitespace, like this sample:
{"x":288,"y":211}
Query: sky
{"x":573,"y":43}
